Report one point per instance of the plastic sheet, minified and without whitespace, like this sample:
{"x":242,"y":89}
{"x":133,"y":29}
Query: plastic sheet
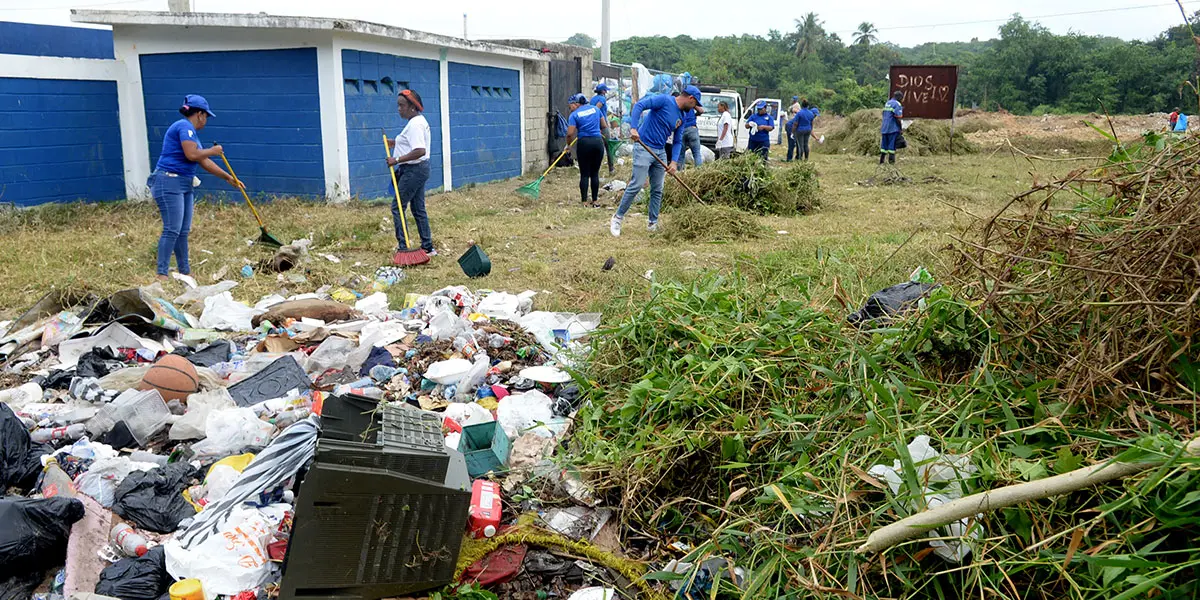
{"x":230,"y":431}
{"x":223,"y":313}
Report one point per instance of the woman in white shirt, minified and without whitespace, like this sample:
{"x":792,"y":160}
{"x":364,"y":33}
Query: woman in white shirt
{"x":724,"y":132}
{"x":410,"y":157}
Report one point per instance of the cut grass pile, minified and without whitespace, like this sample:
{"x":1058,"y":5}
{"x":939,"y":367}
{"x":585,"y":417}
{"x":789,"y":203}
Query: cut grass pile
{"x":858,"y":133}
{"x":705,"y":223}
{"x":748,"y":184}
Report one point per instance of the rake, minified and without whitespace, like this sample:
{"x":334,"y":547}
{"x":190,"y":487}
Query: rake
{"x":263,"y":237}
{"x":534,"y":189}
{"x":403,"y":257}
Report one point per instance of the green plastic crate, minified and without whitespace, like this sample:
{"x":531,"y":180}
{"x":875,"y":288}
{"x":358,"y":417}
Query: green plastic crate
{"x":486,"y":447}
{"x":475,"y":262}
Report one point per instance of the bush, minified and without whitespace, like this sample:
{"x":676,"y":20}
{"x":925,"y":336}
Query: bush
{"x":704,"y":223}
{"x":748,"y":184}
{"x":859,"y":134}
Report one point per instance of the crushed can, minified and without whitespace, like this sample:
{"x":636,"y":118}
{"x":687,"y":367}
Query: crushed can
{"x":484,"y":516}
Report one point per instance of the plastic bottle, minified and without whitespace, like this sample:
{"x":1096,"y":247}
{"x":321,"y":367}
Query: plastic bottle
{"x":141,"y":456}
{"x":47,"y":434}
{"x":128,"y":540}
{"x":483,"y":517}
{"x":55,"y":481}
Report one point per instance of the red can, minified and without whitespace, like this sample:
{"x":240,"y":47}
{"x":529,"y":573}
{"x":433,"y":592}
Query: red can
{"x":484,"y":516}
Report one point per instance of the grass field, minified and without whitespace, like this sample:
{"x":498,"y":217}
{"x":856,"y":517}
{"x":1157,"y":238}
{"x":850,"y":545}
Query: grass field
{"x":552,"y":245}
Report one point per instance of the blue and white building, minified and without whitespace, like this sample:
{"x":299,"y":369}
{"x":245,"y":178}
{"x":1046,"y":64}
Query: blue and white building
{"x":301,"y":103}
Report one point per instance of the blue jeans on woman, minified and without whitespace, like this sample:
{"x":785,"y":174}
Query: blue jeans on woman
{"x":691,"y":141}
{"x":411,"y":179}
{"x":644,"y":168}
{"x":175,"y":198}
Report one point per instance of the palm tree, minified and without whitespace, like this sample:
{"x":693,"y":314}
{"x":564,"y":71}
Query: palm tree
{"x":809,"y":34}
{"x":865,"y":36}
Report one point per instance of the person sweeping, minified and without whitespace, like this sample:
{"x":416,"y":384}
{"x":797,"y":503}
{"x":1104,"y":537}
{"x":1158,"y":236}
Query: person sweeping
{"x":410,"y":158}
{"x":171,"y":181}
{"x":587,"y":126}
{"x":600,"y":101}
{"x":890,"y":129}
{"x":654,"y":120}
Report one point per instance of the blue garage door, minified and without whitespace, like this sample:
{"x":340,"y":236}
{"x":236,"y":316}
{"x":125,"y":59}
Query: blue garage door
{"x":485,"y":132}
{"x":372,"y":81}
{"x":60,"y":141}
{"x":268,"y":115}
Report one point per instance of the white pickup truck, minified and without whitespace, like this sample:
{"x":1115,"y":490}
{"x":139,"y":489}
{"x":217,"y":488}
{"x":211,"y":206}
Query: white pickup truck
{"x":707,"y":122}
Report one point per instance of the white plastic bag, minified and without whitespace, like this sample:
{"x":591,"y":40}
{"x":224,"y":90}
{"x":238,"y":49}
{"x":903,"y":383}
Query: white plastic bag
{"x":525,"y":413}
{"x":200,"y":294}
{"x":333,"y":353}
{"x":469,"y":413}
{"x":191,"y":426}
{"x":499,"y":305}
{"x":218,"y":482}
{"x":232,"y":430}
{"x":223,"y":313}
{"x":102,"y":478}
{"x":374,"y":304}
{"x":473,"y":378}
{"x":234,"y":561}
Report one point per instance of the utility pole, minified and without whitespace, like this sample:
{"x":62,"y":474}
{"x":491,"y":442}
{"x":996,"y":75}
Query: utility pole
{"x":465,"y":26}
{"x":605,"y":32}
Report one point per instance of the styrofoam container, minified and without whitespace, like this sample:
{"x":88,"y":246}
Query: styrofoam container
{"x":144,"y":412}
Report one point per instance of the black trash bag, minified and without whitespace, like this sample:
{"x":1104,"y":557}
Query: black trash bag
{"x":119,"y":437}
{"x":97,"y":363}
{"x":378,"y":356}
{"x":153,"y":499}
{"x":34,"y":532}
{"x":20,"y":458}
{"x":141,"y":578}
{"x":891,"y":301}
{"x":22,"y":586}
{"x":57,"y":380}
{"x":216,"y":352}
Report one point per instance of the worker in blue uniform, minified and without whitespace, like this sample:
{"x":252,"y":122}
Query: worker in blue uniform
{"x":587,"y":126}
{"x":600,"y":101}
{"x":890,"y":129}
{"x":654,"y":120}
{"x":760,"y":125}
{"x":171,"y":182}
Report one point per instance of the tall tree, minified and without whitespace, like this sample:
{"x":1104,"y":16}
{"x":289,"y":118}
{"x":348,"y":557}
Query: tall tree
{"x":865,"y":36}
{"x":809,"y":35}
{"x":582,"y":39}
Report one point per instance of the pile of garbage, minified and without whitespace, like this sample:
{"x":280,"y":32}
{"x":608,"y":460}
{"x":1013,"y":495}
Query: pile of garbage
{"x":145,"y":451}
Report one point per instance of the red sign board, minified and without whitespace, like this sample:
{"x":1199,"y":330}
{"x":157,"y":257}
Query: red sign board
{"x":928,"y":90}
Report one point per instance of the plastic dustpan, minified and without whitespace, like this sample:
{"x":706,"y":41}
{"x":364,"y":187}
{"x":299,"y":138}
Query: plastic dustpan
{"x":475,"y":262}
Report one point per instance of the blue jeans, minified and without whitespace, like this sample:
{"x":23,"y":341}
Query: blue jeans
{"x":411,"y":180}
{"x":761,"y":148}
{"x":645,"y":167}
{"x":691,"y":141}
{"x":175,"y":199}
{"x":793,"y":146}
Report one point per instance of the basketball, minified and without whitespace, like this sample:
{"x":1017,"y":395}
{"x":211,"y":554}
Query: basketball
{"x":173,"y":376}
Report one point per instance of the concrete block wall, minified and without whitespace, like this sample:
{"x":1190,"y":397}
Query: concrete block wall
{"x":268,"y":115}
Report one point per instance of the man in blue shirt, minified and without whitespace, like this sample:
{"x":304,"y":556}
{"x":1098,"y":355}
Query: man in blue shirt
{"x":653,"y":121}
{"x":800,"y":129}
{"x":691,"y":137}
{"x":600,"y":101}
{"x":890,"y":129}
{"x":760,"y":125}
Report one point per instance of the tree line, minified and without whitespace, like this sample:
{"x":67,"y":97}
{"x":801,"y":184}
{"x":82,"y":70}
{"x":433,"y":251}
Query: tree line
{"x":1026,"y":70}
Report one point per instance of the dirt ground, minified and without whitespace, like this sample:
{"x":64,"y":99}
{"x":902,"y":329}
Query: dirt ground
{"x":991,"y":129}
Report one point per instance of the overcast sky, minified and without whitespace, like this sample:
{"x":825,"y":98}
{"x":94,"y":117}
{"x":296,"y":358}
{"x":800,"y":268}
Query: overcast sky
{"x":903,"y":23}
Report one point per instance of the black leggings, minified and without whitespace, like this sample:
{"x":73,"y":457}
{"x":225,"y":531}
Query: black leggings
{"x":590,"y":152}
{"x":802,"y":138}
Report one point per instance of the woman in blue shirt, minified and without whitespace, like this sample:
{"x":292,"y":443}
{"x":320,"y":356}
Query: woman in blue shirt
{"x":171,"y":182}
{"x":760,"y":124}
{"x":600,"y":100}
{"x":801,"y":127}
{"x":586,"y":124}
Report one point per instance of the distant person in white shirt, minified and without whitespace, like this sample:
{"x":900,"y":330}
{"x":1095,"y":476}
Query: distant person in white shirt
{"x":724,"y":132}
{"x":410,"y":157}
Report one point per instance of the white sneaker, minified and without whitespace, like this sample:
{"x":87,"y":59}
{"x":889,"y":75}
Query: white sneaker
{"x":614,"y":226}
{"x":652,"y":227}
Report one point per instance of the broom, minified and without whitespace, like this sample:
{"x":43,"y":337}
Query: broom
{"x":534,"y":188}
{"x":403,"y":257}
{"x":263,"y":237}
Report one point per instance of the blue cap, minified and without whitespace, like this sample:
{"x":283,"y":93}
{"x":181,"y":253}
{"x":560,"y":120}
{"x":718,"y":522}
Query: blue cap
{"x":761,"y":105}
{"x":577,"y":99}
{"x":194,"y":101}
{"x":795,"y":97}
{"x":602,"y":88}
{"x":692,"y":91}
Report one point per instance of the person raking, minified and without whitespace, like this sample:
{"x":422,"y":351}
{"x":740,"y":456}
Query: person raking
{"x":654,"y":120}
{"x":801,"y":127}
{"x":587,"y":124}
{"x":760,"y":125}
{"x":171,"y":181}
{"x":410,"y":158}
{"x":890,"y":129}
{"x":600,"y":101}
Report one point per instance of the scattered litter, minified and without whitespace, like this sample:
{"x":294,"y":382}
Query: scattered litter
{"x":331,"y":258}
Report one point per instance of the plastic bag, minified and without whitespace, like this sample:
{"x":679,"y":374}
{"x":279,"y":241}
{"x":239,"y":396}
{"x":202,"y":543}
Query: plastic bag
{"x":154,"y":499}
{"x":525,"y":413}
{"x":223,"y":475}
{"x":468,"y":414}
{"x":890,"y":301}
{"x":223,"y":313}
{"x":333,"y":353}
{"x":35,"y":531}
{"x":20,"y":461}
{"x":233,"y":561}
{"x":474,"y":377}
{"x":143,"y":578}
{"x":191,"y":426}
{"x":374,"y":304}
{"x":230,"y":431}
{"x":102,"y":479}
{"x":200,"y":294}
